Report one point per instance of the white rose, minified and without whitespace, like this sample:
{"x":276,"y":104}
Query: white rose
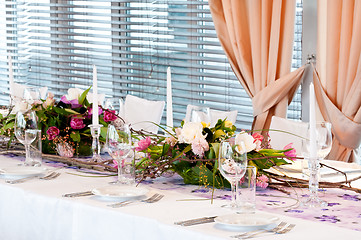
{"x":73,"y":93}
{"x":191,"y":131}
{"x":248,"y":143}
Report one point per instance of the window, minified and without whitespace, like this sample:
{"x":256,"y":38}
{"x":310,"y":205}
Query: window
{"x":54,"y":43}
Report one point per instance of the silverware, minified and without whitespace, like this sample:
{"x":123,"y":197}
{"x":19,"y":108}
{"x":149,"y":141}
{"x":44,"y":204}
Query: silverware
{"x":196,"y":221}
{"x":276,"y":230}
{"x":49,"y":176}
{"x":154,"y":198}
{"x":78,"y":194}
{"x":255,"y":232}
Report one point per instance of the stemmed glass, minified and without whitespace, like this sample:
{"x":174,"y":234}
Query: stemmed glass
{"x":26,"y":131}
{"x":323,"y":143}
{"x":232,"y":165}
{"x":119,"y":145}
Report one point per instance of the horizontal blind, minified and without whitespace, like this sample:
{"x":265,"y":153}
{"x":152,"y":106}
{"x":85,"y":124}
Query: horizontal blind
{"x":54,"y":43}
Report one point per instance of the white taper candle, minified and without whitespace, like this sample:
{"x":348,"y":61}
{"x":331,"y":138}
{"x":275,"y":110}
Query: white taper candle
{"x":313,"y":141}
{"x":11,"y":76}
{"x":95,"y":116}
{"x":169,"y":99}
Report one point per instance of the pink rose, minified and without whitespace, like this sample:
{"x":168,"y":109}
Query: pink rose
{"x":109,"y":115}
{"x":262,"y":181}
{"x":77,"y":123}
{"x":258,"y":138}
{"x":52,"y":132}
{"x":90,"y":111}
{"x":143,"y":144}
{"x":291,"y":154}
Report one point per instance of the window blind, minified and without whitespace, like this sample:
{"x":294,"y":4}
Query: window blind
{"x":54,"y":43}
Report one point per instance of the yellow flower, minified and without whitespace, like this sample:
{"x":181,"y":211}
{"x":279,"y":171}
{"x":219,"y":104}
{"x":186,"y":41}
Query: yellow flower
{"x":228,"y":124}
{"x":205,"y":124}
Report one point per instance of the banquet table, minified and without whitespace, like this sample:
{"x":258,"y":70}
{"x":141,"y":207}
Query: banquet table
{"x":37,"y":210}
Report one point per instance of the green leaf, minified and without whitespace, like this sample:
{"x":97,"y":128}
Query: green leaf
{"x":75,"y":136}
{"x":71,"y":111}
{"x":82,"y":97}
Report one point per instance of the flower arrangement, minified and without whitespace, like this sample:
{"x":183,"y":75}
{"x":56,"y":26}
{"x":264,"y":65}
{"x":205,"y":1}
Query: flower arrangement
{"x":192,"y":150}
{"x":64,"y":124}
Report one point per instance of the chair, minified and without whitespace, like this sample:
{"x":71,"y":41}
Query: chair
{"x":142,"y":113}
{"x":217,"y":114}
{"x":208,"y":115}
{"x":280,"y":139}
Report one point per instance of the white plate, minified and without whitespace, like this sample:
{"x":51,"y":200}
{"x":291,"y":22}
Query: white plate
{"x":120,"y":192}
{"x":256,"y":220}
{"x":22,"y":171}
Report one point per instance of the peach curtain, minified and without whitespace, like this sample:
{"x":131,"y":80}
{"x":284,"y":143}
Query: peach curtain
{"x":338,"y":91}
{"x":257,"y":37}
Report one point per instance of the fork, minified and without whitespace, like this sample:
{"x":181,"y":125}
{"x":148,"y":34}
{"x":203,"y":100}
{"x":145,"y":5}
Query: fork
{"x":49,"y":176}
{"x":278,"y":231}
{"x":256,"y":232}
{"x":154,"y":198}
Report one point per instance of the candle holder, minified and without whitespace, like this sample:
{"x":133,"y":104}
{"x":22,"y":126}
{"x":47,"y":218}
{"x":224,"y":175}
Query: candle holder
{"x":95,"y":131}
{"x":313,"y":200}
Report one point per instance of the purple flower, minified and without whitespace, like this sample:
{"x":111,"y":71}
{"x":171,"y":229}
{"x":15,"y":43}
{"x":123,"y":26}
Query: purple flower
{"x":74,"y":103}
{"x":295,"y":211}
{"x":77,"y":123}
{"x":143,"y":144}
{"x":201,"y":190}
{"x":332,"y":204}
{"x":52,"y":132}
{"x":350,"y":197}
{"x":109,"y":115}
{"x":326,"y":218}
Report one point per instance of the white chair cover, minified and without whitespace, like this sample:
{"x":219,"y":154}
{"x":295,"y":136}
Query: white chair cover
{"x":280,"y":139}
{"x":213,"y":116}
{"x":216,"y":114}
{"x":18,"y":91}
{"x":197,"y":114}
{"x":142,"y":113}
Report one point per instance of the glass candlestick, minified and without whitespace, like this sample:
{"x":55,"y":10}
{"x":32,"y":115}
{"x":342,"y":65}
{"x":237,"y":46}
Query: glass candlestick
{"x":313,"y":200}
{"x":95,"y":131}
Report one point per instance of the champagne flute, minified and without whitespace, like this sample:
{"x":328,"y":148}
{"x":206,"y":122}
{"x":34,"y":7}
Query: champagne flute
{"x":25,"y":130}
{"x":232,"y":165}
{"x":119,"y":145}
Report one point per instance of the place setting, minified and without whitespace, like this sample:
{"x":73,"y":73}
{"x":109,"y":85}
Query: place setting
{"x":240,"y":214}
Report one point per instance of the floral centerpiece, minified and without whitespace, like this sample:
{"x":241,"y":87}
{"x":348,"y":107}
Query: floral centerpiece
{"x":64,"y":124}
{"x":192,"y":150}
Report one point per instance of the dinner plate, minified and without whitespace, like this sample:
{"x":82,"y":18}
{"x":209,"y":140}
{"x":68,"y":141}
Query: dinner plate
{"x":256,"y":220}
{"x":22,"y":171}
{"x":120,"y":192}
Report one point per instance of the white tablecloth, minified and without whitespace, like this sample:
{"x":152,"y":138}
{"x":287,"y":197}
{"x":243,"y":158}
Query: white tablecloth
{"x":37,"y":210}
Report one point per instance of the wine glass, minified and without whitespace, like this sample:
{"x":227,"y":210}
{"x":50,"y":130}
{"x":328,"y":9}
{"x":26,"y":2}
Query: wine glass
{"x":323,"y":145}
{"x":26,"y":131}
{"x":119,"y":145}
{"x":232,"y":165}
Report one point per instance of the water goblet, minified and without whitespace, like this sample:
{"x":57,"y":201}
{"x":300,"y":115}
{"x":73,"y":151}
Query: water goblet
{"x":25,"y":130}
{"x":232,"y":165}
{"x":119,"y":146}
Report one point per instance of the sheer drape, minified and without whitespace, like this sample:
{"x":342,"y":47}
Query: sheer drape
{"x":338,"y":87}
{"x":257,"y":37}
